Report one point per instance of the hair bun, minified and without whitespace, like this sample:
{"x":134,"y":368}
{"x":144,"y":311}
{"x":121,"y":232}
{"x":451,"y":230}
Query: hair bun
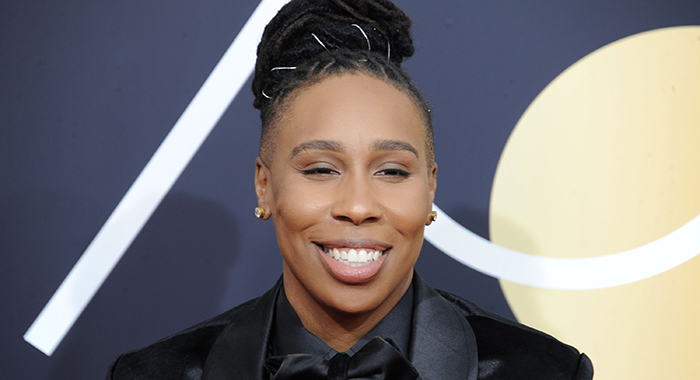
{"x":304,"y":29}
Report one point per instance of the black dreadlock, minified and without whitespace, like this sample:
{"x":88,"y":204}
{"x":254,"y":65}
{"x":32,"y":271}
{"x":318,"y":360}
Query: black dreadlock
{"x":310,"y":40}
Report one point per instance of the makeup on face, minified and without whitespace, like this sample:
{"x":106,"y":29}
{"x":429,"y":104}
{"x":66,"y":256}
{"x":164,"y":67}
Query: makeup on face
{"x":349,"y":192}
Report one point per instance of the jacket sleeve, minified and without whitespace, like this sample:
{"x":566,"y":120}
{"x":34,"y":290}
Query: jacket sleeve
{"x":110,"y":372}
{"x":585,"y":369}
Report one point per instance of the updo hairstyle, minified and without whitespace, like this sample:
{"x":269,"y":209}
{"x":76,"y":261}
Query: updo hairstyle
{"x":310,"y":40}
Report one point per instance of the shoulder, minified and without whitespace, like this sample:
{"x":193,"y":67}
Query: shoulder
{"x":179,"y":356}
{"x":508,"y":349}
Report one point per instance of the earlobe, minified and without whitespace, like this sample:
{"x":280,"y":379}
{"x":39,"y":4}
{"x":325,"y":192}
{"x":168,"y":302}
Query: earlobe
{"x":432,"y":216}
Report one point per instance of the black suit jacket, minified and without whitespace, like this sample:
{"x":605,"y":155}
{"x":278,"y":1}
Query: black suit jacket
{"x":452,"y":339}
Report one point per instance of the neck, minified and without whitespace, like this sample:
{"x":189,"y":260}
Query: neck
{"x":337,"y":328}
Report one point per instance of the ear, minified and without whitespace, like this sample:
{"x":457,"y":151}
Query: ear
{"x":262,"y":175}
{"x":432,"y":187}
{"x":432,"y":182}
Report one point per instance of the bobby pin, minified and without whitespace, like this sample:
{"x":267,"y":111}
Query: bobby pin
{"x":369,"y":46}
{"x":319,"y":40}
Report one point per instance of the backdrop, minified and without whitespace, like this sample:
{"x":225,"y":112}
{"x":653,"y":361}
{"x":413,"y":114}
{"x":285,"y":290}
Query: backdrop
{"x":568,"y":183}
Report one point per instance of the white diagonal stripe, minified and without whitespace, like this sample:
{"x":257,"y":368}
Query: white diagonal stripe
{"x":151,"y":186}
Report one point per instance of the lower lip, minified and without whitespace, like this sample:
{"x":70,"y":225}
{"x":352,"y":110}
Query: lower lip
{"x":351,"y":275}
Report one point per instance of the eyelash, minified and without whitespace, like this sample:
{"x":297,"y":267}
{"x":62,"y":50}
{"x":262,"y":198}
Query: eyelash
{"x":395,"y":172}
{"x":319,"y":171}
{"x":386,"y":172}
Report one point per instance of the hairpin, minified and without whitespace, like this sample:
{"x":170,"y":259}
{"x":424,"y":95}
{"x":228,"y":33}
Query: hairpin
{"x":283,"y":68}
{"x":369,"y":46}
{"x":319,"y":40}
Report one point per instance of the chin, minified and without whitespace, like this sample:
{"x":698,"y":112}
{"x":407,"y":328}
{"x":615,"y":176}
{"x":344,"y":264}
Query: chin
{"x":356,"y":302}
{"x":364,"y":298}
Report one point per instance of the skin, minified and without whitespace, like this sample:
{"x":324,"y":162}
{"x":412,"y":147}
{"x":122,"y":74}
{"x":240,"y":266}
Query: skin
{"x":349,"y":169}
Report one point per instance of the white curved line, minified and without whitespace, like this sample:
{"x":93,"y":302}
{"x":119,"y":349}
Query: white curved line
{"x":565,"y":273}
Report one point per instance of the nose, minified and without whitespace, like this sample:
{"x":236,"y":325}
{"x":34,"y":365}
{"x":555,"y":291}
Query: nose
{"x":356,"y":201}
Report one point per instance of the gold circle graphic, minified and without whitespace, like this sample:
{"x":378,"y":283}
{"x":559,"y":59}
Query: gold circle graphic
{"x":606,"y":159}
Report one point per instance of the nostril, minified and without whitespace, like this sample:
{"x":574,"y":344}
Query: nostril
{"x":356,"y":220}
{"x":343,"y":218}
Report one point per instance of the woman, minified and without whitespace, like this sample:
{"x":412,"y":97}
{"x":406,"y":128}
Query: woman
{"x":347,"y":174}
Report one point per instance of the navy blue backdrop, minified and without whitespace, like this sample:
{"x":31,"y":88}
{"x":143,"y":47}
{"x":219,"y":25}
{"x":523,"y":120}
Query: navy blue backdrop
{"x":89,"y":90}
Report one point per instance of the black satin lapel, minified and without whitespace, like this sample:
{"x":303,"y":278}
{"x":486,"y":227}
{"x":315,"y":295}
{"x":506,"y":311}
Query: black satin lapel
{"x":241,"y":349}
{"x":443,"y":344}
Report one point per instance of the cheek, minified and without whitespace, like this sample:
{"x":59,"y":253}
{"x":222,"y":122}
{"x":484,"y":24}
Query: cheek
{"x":408,"y":211}
{"x":295,"y":208}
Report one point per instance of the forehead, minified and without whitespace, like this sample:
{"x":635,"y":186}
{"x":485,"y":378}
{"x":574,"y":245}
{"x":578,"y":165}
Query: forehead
{"x":352,"y":109}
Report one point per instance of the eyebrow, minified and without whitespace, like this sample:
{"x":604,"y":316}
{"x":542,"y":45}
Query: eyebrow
{"x":395,"y":145}
{"x":334,"y":146}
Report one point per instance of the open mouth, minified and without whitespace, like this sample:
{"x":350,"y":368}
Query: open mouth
{"x":354,"y":257}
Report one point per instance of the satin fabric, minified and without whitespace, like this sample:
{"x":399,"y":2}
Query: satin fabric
{"x":446,"y":333}
{"x":377,"y":360}
{"x":444,"y":347}
{"x":295,"y":339}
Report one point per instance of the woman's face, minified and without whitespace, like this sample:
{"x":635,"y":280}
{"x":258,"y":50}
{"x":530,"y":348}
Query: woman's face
{"x":349,"y":190}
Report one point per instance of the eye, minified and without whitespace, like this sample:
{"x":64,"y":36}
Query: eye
{"x":319,"y":171}
{"x":394,"y":172}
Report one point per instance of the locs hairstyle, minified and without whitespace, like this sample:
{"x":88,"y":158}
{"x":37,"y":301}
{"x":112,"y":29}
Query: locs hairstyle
{"x":310,"y":40}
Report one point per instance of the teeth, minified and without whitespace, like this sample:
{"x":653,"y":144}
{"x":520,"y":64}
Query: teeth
{"x":362,"y":256}
{"x":352,"y":256}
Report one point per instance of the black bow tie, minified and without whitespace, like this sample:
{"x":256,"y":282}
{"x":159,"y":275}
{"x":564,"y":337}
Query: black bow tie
{"x":377,"y":360}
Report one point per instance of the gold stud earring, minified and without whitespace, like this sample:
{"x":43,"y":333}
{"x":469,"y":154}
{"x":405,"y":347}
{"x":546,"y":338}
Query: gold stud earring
{"x":432,"y":216}
{"x":259,"y":212}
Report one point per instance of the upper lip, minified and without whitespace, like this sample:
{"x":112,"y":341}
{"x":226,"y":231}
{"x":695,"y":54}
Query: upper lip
{"x":354,"y":243}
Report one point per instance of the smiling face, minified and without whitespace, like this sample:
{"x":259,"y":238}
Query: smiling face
{"x":349,"y":188}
